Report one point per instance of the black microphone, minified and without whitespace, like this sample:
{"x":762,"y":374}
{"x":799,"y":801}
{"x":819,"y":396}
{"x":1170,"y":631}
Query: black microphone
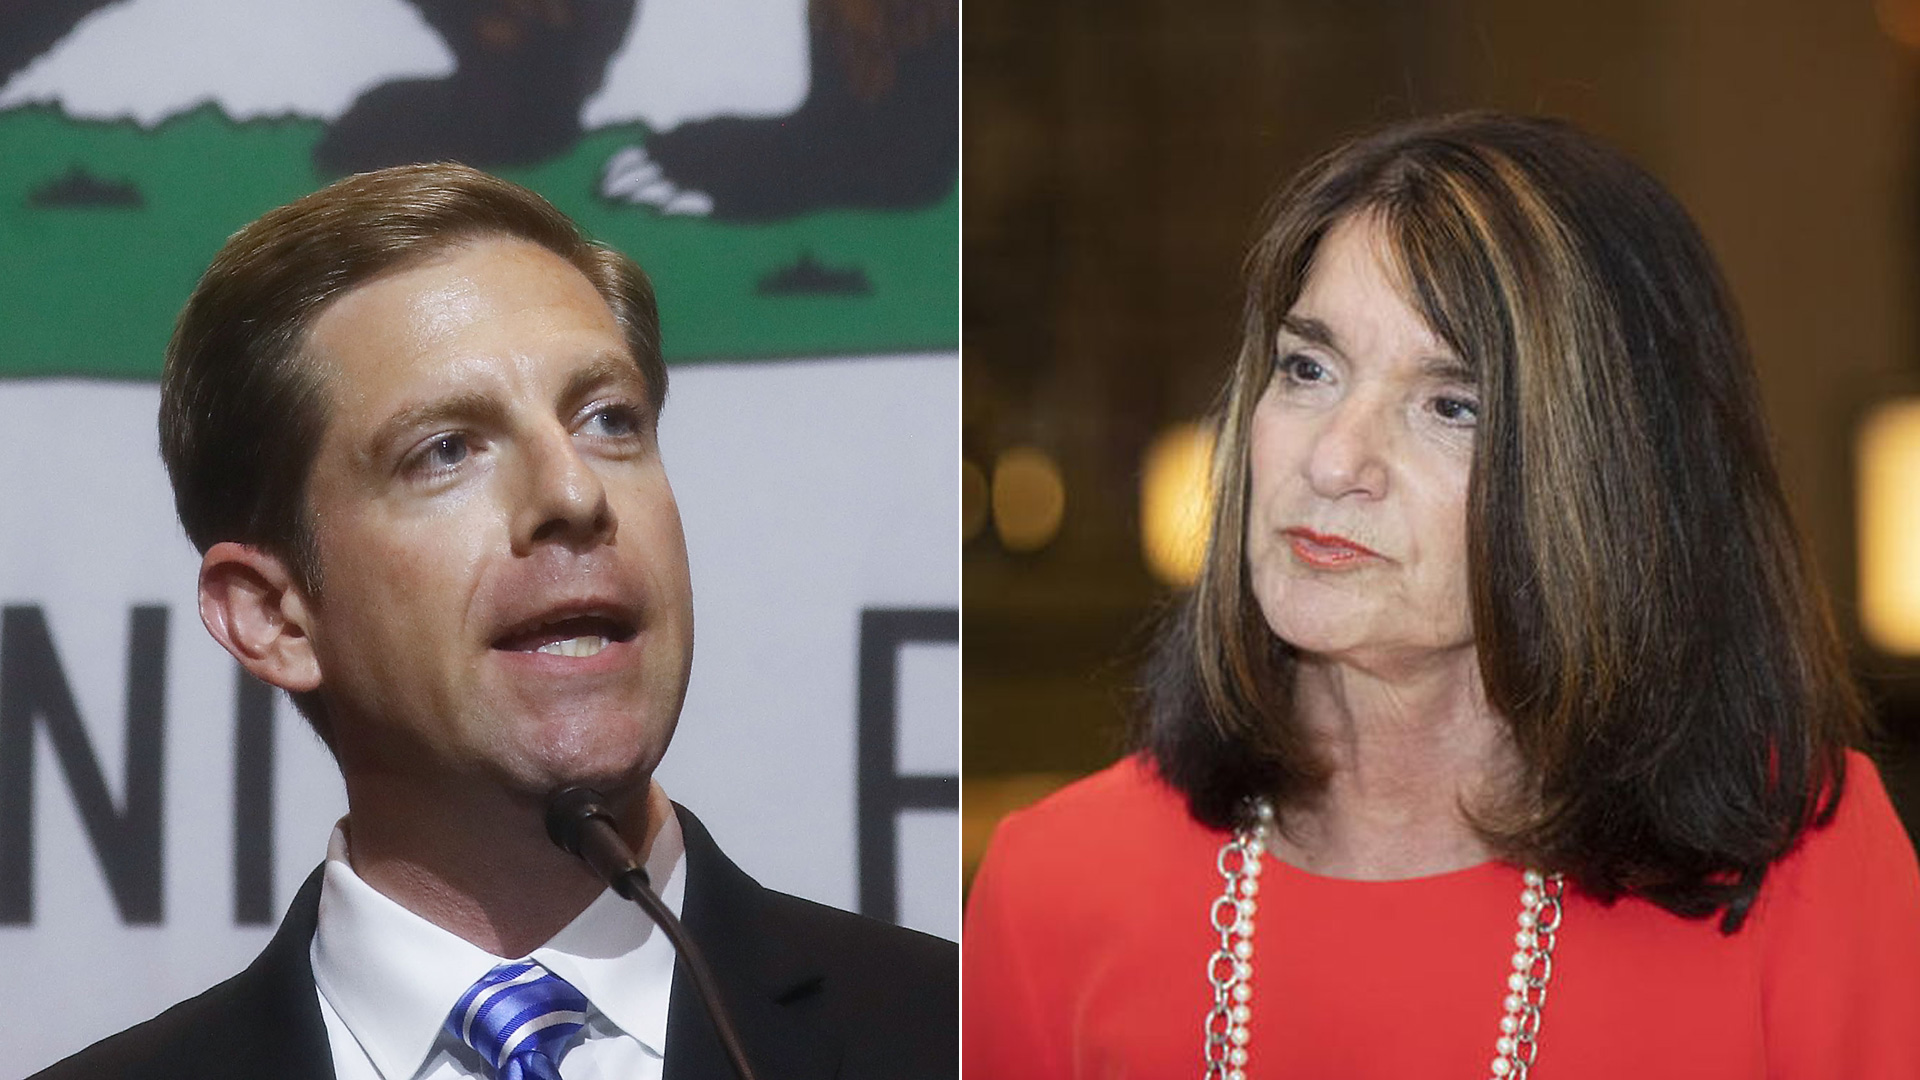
{"x":579,"y":822}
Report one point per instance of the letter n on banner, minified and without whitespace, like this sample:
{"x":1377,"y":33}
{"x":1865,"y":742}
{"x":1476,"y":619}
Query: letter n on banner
{"x":884,"y":792}
{"x":126,"y":838}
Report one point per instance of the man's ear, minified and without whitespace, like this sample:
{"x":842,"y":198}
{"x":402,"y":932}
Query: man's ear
{"x":254,"y":608}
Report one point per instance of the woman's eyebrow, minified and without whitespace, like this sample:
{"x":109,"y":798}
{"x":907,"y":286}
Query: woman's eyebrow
{"x":1309,"y":329}
{"x":1448,"y":367}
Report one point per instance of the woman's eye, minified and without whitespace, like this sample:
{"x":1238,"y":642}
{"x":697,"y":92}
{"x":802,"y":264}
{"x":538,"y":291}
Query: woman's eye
{"x":1456,"y":410}
{"x":613,"y":422}
{"x":1300,"y":368}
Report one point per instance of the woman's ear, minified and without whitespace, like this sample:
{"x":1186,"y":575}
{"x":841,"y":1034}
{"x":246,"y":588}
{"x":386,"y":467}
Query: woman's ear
{"x":254,"y":608}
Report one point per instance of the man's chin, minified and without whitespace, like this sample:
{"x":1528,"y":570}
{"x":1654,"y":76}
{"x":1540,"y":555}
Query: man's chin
{"x":616,"y":769}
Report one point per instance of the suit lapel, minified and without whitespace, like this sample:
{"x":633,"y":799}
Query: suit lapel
{"x":276,"y":1027}
{"x":769,"y":981}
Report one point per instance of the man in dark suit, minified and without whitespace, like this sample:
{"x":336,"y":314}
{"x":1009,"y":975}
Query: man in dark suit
{"x":410,"y":423}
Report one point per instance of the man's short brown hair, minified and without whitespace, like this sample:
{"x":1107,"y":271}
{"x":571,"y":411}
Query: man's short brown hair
{"x":242,"y":408}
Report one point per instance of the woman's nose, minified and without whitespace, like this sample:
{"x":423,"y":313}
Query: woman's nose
{"x":1349,"y":452}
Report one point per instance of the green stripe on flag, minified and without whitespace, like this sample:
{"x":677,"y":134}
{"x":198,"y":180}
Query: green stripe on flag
{"x":92,"y":290}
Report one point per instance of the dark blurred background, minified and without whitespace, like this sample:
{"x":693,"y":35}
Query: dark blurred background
{"x":1118,"y":154}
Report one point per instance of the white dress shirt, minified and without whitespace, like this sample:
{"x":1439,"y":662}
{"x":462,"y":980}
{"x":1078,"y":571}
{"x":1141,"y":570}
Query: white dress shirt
{"x":387,"y":978}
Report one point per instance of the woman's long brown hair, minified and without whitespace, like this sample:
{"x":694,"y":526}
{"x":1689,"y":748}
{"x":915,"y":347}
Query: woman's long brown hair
{"x":1644,"y":613}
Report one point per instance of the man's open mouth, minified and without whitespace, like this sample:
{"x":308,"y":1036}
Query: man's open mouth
{"x":589,"y":645}
{"x":576,"y":636}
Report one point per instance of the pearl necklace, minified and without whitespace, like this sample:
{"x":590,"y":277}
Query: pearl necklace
{"x":1230,"y":969}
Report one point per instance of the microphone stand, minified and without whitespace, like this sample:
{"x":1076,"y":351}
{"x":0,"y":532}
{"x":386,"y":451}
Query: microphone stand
{"x":580,"y":823}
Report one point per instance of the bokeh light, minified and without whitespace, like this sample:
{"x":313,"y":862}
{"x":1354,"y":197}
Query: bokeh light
{"x":1029,"y":499}
{"x":1176,"y":502}
{"x":1889,"y":509}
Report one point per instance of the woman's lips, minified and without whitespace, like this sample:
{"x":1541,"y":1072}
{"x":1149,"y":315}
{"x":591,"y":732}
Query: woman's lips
{"x":1324,"y":551}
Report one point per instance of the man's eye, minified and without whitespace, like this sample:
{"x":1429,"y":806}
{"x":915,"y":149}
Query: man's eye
{"x":441,"y":453}
{"x":613,"y":422}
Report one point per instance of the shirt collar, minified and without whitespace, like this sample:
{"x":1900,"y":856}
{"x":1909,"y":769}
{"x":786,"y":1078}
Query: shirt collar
{"x":393,"y":976}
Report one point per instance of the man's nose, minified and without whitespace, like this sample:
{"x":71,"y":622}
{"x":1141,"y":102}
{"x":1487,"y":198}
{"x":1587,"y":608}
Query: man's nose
{"x":565,"y":498}
{"x":1349,"y":453}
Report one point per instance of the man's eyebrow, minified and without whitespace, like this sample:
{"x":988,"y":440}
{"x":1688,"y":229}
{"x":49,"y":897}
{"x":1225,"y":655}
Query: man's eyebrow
{"x":468,"y":406}
{"x":602,"y":370}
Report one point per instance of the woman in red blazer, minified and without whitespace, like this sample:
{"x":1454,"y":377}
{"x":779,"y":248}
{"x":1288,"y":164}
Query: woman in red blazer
{"x":1505,"y":730}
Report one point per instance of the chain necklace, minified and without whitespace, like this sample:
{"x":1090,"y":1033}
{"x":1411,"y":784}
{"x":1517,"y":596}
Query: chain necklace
{"x":1230,"y":969}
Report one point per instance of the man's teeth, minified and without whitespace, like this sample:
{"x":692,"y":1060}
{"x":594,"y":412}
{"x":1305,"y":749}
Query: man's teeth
{"x":576,"y":646}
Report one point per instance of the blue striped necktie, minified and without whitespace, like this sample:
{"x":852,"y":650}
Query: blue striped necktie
{"x":520,"y":1017}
